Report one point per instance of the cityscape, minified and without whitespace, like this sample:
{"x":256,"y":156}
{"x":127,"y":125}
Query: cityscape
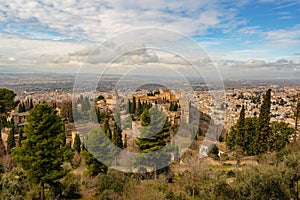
{"x":149,"y":100}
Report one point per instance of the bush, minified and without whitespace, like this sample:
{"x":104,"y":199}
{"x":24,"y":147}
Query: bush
{"x":70,"y":187}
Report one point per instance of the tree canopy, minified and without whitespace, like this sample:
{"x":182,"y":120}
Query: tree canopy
{"x":42,"y":152}
{"x":154,"y":136}
{"x":7,"y":104}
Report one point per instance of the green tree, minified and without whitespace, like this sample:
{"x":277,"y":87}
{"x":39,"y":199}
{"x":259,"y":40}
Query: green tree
{"x":128,"y":108}
{"x":280,"y":133}
{"x":67,"y":112}
{"x":100,"y":97}
{"x":140,"y":107}
{"x":260,"y":183}
{"x":11,"y":143}
{"x":107,"y":130}
{"x":263,"y":125}
{"x":154,"y":136}
{"x":237,"y":132}
{"x":290,"y":169}
{"x":21,"y":108}
{"x":42,"y":153}
{"x":7,"y":104}
{"x":77,"y":143}
{"x":14,"y":185}
{"x":250,"y":134}
{"x":21,"y":136}
{"x":117,"y":136}
{"x":94,"y":166}
{"x":145,"y":118}
{"x":30,"y":104}
{"x":99,"y":152}
{"x":133,"y":105}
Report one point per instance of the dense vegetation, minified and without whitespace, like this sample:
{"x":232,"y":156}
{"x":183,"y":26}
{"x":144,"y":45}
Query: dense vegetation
{"x":41,"y":165}
{"x":256,"y":135}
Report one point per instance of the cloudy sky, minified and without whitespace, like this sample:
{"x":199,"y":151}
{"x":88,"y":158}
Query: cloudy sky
{"x":244,"y":38}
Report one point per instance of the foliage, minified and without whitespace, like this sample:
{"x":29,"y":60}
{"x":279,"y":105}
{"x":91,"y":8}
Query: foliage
{"x":117,"y":136}
{"x":94,"y":166}
{"x":154,"y":136}
{"x":256,"y":135}
{"x":280,"y":133}
{"x":67,"y":112}
{"x":14,"y":185}
{"x":107,"y":130}
{"x":263,"y":126}
{"x":98,"y":146}
{"x":100,"y":97}
{"x":70,"y":187}
{"x":77,"y":143}
{"x":42,"y":153}
{"x":7,"y":104}
{"x":11,"y":143}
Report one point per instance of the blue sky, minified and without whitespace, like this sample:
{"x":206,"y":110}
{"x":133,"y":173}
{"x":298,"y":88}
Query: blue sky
{"x":248,"y":35}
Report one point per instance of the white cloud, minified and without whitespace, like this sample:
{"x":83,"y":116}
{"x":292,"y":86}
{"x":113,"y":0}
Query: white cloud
{"x":284,"y":37}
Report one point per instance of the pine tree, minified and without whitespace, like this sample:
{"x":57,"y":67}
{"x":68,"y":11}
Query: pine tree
{"x":117,"y":136}
{"x":263,"y":125}
{"x":77,"y":143}
{"x":21,"y":136}
{"x":145,"y":118}
{"x":43,"y":151}
{"x":11,"y":143}
{"x":107,"y":130}
{"x":154,"y":138}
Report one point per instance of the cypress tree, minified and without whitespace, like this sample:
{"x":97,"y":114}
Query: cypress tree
{"x":133,"y":105}
{"x":21,"y":108}
{"x":24,"y":107}
{"x":117,"y":136}
{"x":263,"y":126}
{"x":11,"y":143}
{"x":107,"y":130}
{"x":21,"y":136}
{"x":237,"y":132}
{"x":128,"y":109}
{"x":240,"y":128}
{"x":30,"y":104}
{"x":77,"y":143}
{"x":140,"y":107}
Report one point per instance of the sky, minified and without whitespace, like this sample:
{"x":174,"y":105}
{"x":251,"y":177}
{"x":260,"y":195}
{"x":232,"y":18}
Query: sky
{"x":254,"y":39}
